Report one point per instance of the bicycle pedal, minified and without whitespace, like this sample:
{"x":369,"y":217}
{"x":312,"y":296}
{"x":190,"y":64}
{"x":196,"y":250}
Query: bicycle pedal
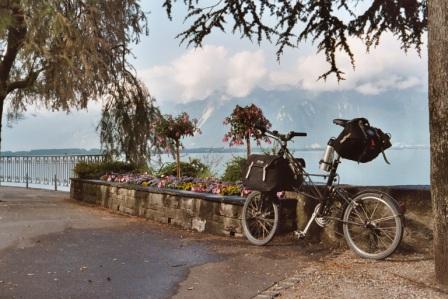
{"x":299,"y":235}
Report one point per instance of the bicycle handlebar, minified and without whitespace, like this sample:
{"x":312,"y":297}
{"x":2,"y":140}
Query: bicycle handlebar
{"x":282,"y":137}
{"x":297,"y":134}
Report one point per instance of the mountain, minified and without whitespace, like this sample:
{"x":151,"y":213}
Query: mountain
{"x":402,"y":113}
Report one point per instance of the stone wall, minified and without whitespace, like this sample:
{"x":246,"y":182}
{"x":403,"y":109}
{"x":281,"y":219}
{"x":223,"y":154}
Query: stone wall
{"x":415,"y":201}
{"x":202,"y":212}
{"x":221,"y":215}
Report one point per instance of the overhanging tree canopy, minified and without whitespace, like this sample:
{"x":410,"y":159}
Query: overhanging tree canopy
{"x":288,"y":23}
{"x":328,"y":23}
{"x":63,"y":54}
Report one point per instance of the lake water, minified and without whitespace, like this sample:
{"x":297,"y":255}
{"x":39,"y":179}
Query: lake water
{"x":408,"y":166}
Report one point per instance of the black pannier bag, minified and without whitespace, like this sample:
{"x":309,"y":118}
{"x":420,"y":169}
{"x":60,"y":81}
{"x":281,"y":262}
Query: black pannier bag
{"x":360,"y":142}
{"x":269,"y":173}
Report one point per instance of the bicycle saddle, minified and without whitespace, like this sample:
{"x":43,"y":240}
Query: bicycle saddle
{"x":340,"y":122}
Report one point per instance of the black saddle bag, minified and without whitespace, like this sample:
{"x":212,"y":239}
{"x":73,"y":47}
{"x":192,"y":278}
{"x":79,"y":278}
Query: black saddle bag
{"x":360,"y":142}
{"x":270,"y":173}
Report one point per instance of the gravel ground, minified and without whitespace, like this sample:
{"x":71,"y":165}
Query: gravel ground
{"x":347,"y":276}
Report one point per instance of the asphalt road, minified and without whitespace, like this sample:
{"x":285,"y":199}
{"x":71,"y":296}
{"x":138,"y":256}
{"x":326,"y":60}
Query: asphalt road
{"x":52,"y":247}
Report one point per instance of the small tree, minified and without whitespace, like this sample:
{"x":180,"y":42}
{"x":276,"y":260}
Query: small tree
{"x":170,"y":130}
{"x":242,"y":123}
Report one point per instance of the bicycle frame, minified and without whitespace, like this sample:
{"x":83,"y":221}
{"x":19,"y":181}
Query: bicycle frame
{"x":368,"y":236}
{"x":315,"y":193}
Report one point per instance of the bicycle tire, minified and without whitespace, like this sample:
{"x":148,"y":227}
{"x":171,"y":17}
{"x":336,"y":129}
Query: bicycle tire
{"x":260,"y":218}
{"x":375,"y":238}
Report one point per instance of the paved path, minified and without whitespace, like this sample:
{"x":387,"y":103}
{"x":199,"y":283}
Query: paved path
{"x":52,"y":247}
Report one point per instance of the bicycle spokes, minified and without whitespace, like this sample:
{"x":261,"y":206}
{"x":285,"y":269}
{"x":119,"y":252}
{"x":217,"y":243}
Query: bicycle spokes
{"x":260,"y":218}
{"x":372,"y":226}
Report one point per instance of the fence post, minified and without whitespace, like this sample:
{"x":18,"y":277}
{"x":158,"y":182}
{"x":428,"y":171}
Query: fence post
{"x":55,"y":182}
{"x":26,"y":178}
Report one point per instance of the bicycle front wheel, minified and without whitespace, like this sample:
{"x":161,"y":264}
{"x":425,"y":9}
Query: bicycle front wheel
{"x":260,"y":218}
{"x":373,"y":225}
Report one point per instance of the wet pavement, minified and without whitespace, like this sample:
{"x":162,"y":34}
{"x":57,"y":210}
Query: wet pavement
{"x":53,"y":247}
{"x":132,"y":261}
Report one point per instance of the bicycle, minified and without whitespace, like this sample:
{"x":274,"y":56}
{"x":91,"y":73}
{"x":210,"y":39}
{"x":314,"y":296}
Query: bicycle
{"x":372,"y":223}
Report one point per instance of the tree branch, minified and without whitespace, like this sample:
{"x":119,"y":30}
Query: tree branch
{"x":27,"y":82}
{"x":16,"y":36}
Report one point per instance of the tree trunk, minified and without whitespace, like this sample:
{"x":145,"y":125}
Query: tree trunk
{"x":438,"y":126}
{"x":248,"y":146}
{"x":178,"y":158}
{"x":2,"y":104}
{"x":16,"y":36}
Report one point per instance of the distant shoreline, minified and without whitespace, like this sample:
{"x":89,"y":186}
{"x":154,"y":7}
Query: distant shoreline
{"x":199,"y":150}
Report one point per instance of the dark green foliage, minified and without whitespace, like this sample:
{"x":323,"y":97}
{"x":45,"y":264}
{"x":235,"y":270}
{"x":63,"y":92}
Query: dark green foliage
{"x":128,"y":122}
{"x":193,"y":168}
{"x":288,"y":23}
{"x":234,"y":169}
{"x":85,"y":170}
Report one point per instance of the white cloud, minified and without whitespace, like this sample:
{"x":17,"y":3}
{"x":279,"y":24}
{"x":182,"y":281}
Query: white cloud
{"x":384,"y":68}
{"x":246,"y":70}
{"x":200,"y":72}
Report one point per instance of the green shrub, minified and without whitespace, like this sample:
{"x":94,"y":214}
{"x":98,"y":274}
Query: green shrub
{"x":94,"y":170}
{"x":234,"y":169}
{"x":193,"y":168}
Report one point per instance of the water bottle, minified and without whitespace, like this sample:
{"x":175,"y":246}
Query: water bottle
{"x":328,"y":158}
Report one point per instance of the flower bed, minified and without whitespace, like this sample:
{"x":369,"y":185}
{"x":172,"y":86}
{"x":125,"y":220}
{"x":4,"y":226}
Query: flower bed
{"x":211,"y":185}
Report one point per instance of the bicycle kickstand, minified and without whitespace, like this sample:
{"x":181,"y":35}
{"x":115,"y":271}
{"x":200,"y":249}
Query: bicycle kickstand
{"x":301,"y":234}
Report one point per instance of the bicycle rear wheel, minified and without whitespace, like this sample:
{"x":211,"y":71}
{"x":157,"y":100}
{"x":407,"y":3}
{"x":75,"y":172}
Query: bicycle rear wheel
{"x":373,"y":225}
{"x":260,"y":218}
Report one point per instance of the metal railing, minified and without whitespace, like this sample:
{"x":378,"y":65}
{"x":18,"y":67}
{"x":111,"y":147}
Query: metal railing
{"x":42,"y":170}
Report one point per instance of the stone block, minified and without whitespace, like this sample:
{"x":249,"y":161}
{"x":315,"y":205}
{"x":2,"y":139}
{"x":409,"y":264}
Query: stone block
{"x":186,"y":203}
{"x":198,"y":224}
{"x":180,"y":218}
{"x":224,"y":227}
{"x":122,"y":191}
{"x":113,"y":190}
{"x":206,"y":209}
{"x":215,"y":228}
{"x":129,"y":201}
{"x":89,"y":198}
{"x":103,"y":195}
{"x":232,"y":225}
{"x":155,"y":201}
{"x":156,"y":215}
{"x":108,"y":200}
{"x":171,"y":201}
{"x":126,"y":210}
{"x":140,"y":204}
{"x":229,"y":210}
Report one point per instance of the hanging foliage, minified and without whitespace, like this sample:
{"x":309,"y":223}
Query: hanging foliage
{"x":127,"y":126}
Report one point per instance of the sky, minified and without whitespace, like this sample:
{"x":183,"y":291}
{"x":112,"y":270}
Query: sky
{"x":176,"y":74}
